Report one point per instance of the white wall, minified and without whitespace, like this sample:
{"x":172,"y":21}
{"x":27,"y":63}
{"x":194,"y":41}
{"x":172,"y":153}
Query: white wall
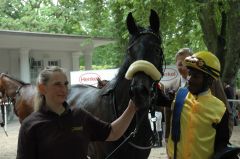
{"x":4,"y":60}
{"x":9,"y":60}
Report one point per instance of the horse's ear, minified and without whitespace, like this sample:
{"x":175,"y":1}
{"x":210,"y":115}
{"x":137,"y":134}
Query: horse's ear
{"x":154,"y":21}
{"x":131,"y":25}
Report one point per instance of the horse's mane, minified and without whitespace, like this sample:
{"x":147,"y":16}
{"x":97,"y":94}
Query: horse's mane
{"x":15,"y":79}
{"x":122,"y":70}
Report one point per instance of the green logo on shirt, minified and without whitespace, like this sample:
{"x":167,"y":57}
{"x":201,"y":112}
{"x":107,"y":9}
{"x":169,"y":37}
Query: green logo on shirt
{"x":77,"y":128}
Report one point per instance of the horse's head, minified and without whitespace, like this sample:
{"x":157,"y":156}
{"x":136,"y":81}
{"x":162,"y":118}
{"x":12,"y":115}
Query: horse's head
{"x":146,"y":58}
{"x":9,"y":85}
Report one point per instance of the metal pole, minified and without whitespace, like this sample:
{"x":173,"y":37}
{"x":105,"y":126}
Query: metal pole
{"x":5,"y":119}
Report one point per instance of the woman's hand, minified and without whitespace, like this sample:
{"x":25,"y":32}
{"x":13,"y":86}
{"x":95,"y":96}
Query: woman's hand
{"x":120,"y":125}
{"x":132,"y":105}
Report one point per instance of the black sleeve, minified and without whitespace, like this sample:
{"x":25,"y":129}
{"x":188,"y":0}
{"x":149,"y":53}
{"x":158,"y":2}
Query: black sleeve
{"x":222,"y":134}
{"x":26,"y":143}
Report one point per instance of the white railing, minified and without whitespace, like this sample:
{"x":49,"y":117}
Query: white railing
{"x":233,"y":100}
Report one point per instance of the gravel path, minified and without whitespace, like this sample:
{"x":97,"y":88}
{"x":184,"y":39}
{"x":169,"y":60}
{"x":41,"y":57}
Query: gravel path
{"x":8,"y":145}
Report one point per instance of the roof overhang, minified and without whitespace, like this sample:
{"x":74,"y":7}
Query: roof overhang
{"x":46,"y":41}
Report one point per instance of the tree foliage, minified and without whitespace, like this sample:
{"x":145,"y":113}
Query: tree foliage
{"x":197,"y":24}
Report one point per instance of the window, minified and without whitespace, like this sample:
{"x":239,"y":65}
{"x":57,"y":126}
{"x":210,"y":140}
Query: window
{"x":37,"y":64}
{"x":35,"y":67}
{"x":54,"y":63}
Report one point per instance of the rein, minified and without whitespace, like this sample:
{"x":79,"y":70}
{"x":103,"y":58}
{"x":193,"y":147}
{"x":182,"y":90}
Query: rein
{"x":135,"y":131}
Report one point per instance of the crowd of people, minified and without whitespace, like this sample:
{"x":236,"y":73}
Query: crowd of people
{"x":198,"y":122}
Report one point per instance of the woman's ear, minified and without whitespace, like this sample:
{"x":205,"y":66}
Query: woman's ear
{"x":42,"y":89}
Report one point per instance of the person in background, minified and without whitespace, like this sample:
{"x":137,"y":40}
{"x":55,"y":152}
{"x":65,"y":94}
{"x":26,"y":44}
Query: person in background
{"x":180,"y":82}
{"x":229,"y":91}
{"x":156,"y":126}
{"x":56,"y":131}
{"x":199,"y":127}
{"x":238,"y":105}
{"x":182,"y":69}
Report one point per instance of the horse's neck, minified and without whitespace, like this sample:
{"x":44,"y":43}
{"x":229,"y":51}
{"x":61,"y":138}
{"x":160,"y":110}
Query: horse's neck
{"x":11,"y":88}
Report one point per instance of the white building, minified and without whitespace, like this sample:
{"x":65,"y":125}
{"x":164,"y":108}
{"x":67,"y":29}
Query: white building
{"x":24,"y":54}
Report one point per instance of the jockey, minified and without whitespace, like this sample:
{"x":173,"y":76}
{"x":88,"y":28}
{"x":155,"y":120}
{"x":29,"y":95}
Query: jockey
{"x":199,"y":125}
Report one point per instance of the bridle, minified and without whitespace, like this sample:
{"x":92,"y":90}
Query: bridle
{"x":152,"y":103}
{"x":150,"y":32}
{"x":144,"y":32}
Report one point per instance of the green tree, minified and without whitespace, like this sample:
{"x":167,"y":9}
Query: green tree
{"x":221,"y":28}
{"x":215,"y":27}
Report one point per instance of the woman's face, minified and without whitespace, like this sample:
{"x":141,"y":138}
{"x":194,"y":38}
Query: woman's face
{"x":56,"y":89}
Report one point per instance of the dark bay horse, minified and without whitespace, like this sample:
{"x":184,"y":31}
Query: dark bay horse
{"x":144,"y":54}
{"x":21,"y":95}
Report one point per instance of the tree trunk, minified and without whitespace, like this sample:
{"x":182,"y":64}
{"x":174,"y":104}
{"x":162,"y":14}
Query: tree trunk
{"x":223,"y":39}
{"x":232,"y":58}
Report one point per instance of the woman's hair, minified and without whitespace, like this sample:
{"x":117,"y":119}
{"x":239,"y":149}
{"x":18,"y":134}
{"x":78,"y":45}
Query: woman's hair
{"x":43,"y":78}
{"x":183,"y":51}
